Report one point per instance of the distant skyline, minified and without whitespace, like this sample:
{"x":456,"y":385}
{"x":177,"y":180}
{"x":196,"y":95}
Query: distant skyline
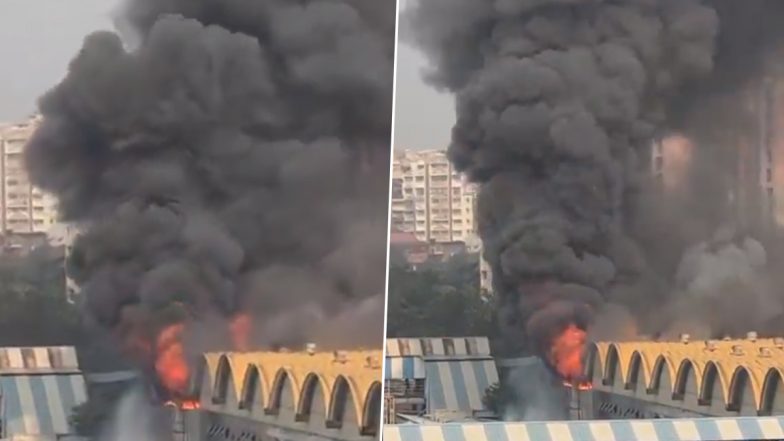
{"x":423,"y":116}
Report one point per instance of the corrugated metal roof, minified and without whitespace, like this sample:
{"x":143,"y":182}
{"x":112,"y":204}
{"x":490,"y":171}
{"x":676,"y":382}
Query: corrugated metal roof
{"x":441,"y":347}
{"x":702,"y":429}
{"x":404,"y":368}
{"x":39,"y":404}
{"x":458,"y":384}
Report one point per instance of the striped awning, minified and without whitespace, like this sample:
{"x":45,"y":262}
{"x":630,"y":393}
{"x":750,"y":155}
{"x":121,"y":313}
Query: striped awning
{"x":701,"y":429}
{"x":404,"y":368}
{"x":458,"y":384}
{"x":39,"y":404}
{"x":15,"y":360}
{"x":440,"y":347}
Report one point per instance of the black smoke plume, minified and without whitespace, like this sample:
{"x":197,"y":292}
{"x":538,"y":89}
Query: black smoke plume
{"x":232,"y":158}
{"x":558,"y":102}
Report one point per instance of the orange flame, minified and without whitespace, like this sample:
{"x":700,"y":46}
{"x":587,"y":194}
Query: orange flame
{"x":566,"y":353}
{"x":171,"y":365}
{"x":581,"y":386}
{"x":240,"y":328}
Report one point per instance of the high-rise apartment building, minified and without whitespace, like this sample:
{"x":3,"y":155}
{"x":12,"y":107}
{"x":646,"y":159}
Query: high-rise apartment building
{"x":431,"y":199}
{"x":23,"y":208}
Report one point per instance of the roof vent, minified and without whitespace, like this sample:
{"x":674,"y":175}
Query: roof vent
{"x":751,"y":336}
{"x":341,"y":357}
{"x":710,"y":345}
{"x":685,"y":338}
{"x":779,"y":342}
{"x":310,"y":348}
{"x":737,"y":350}
{"x":373,"y":362}
{"x":765,"y":352}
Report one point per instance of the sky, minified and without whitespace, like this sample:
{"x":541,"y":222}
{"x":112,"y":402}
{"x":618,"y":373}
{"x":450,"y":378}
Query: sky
{"x":39,"y":37}
{"x":37,"y":40}
{"x":423,"y":116}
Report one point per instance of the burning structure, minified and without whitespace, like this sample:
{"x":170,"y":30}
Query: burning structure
{"x":227,"y":165}
{"x":686,"y":378}
{"x":286,"y":396}
{"x":558,"y":104}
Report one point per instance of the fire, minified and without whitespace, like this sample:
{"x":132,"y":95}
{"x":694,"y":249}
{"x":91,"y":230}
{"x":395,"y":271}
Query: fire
{"x":566,"y":353}
{"x":581,"y":386}
{"x":171,"y":365}
{"x":184,"y":405}
{"x":240,"y":331}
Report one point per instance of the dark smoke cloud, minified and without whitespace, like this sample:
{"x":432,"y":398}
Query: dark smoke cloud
{"x":236,"y":159}
{"x":558,"y":102}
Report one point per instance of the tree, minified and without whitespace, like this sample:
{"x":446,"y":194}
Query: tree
{"x":439,"y":300}
{"x":35,"y":309}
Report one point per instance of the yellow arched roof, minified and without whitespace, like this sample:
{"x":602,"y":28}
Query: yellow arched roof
{"x":759,"y":358}
{"x":360,"y":370}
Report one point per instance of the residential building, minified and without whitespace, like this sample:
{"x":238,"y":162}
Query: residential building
{"x":23,"y":207}
{"x":430,"y":198}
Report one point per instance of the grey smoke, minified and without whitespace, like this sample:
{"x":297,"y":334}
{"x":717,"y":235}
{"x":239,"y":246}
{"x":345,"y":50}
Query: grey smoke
{"x":538,"y":395}
{"x":724,"y":289}
{"x":557,"y":105}
{"x":235,"y":160}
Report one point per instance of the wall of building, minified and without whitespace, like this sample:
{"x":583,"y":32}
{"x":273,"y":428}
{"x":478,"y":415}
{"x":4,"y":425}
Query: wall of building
{"x":430,"y":198}
{"x":23,"y":207}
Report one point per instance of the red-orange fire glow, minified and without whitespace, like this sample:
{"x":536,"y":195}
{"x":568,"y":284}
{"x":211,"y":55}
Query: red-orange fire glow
{"x":240,"y":328}
{"x":184,"y":405}
{"x":171,"y":365}
{"x":581,"y":386}
{"x":566,"y":353}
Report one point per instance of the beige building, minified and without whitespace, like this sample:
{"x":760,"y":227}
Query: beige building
{"x":431,"y":199}
{"x":23,"y":208}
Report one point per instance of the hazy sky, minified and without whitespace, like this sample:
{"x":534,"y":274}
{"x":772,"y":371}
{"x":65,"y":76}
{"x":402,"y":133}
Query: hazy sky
{"x":424,"y":117}
{"x":37,"y":40}
{"x":39,"y":37}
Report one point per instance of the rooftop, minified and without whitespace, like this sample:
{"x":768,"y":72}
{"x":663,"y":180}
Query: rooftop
{"x":756,"y":362}
{"x":334,"y":387}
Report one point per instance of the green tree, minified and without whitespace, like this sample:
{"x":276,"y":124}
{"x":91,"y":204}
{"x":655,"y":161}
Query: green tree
{"x":439,"y":299}
{"x":35,"y":309}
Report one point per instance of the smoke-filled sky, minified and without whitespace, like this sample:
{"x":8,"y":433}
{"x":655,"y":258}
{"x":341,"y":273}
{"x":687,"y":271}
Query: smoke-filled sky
{"x":232,"y":159}
{"x":558,"y":103}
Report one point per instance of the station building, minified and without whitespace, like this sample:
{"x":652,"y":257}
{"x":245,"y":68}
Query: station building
{"x":686,"y":378}
{"x":285,"y":396}
{"x":39,"y":388}
{"x":438,"y":379}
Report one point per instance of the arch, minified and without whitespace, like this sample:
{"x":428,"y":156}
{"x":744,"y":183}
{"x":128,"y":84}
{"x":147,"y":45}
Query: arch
{"x":661,"y":367}
{"x":254,"y":389}
{"x":685,"y":370}
{"x":222,"y":377}
{"x":196,"y":382}
{"x":592,"y":358}
{"x":371,"y":414}
{"x":313,"y":383}
{"x":770,"y":385}
{"x":740,"y":384}
{"x":633,"y":376}
{"x":710,"y":376}
{"x":611,"y":366}
{"x":283,"y":379}
{"x":343,"y":398}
